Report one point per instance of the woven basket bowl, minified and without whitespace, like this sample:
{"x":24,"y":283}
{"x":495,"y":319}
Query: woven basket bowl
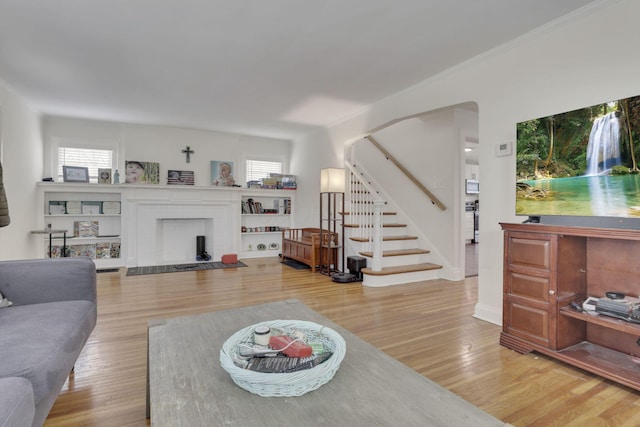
{"x":286,"y":384}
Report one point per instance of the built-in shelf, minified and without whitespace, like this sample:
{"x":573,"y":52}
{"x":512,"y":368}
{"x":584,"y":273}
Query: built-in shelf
{"x":262,"y":232}
{"x":79,"y":215}
{"x":280,"y":200}
{"x":106,"y":247}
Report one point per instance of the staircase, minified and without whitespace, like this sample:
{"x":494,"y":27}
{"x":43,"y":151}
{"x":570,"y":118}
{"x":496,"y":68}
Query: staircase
{"x":392,"y":252}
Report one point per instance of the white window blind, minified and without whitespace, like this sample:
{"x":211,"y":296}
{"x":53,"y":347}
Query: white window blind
{"x":84,"y":157}
{"x":258,"y":169}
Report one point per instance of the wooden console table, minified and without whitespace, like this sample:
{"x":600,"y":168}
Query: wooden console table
{"x":548,"y":267}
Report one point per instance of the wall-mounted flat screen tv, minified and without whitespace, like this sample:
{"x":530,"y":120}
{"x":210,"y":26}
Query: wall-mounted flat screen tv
{"x":582,"y":162}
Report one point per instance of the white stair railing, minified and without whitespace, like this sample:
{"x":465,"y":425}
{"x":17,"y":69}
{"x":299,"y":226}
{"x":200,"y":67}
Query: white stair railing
{"x":365,"y":213}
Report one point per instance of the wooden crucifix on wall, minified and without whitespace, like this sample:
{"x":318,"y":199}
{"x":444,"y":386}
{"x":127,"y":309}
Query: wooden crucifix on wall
{"x":188,"y":151}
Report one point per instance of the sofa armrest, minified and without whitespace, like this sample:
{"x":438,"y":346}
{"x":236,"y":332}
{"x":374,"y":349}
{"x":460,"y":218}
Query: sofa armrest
{"x":17,"y":407}
{"x":47,"y":280}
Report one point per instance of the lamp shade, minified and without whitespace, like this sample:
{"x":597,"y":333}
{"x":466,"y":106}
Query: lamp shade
{"x":332,"y":180}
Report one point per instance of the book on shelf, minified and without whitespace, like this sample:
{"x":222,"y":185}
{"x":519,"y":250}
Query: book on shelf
{"x":56,"y":251}
{"x":100,"y":250}
{"x":282,"y":181}
{"x":91,"y":208}
{"x":251,"y":206}
{"x":283,"y":206}
{"x":88,"y":250}
{"x":103,"y":250}
{"x":269,"y":183}
{"x":115,"y":250}
{"x":111,"y":207}
{"x":85,"y":228}
{"x":57,"y":207}
{"x":74,"y":207}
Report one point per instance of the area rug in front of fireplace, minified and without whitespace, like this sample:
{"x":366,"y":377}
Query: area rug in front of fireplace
{"x":175,"y":268}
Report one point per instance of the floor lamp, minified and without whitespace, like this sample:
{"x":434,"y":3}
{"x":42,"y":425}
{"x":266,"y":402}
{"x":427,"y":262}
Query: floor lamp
{"x":332,"y":188}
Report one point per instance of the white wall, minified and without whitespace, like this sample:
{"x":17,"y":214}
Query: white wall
{"x":307,"y":158}
{"x":21,"y":155}
{"x":585,"y":59}
{"x":164,"y":145}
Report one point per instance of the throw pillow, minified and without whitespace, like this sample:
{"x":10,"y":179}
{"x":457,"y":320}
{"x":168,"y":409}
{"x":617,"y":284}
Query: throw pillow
{"x":4,"y":302}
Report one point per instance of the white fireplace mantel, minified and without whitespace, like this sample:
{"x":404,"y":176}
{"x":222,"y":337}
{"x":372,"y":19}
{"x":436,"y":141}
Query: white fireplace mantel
{"x":161,"y":223}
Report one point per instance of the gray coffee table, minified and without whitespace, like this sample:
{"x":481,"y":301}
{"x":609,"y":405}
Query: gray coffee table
{"x":188,"y":387}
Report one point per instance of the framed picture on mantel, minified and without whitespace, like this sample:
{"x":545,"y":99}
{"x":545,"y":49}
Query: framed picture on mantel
{"x":75,"y":174}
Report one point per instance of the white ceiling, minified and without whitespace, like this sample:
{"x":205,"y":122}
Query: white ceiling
{"x":275,"y":68}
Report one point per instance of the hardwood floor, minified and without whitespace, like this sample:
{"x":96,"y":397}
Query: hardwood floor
{"x":428,"y":326}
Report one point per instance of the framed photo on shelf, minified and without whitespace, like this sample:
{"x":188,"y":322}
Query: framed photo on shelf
{"x":75,"y":174}
{"x":222,"y":173}
{"x":176,"y":177}
{"x":104,"y":176}
{"x":137,"y":172}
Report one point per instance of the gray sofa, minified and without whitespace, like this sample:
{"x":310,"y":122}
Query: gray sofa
{"x":42,"y":332}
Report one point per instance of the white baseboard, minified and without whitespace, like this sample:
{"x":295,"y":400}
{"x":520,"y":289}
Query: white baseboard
{"x":488,"y":313}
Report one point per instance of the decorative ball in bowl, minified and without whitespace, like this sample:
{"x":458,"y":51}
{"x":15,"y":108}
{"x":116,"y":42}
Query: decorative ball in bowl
{"x":285,"y":384}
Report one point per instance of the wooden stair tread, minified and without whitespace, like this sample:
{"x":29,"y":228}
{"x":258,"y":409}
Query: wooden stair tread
{"x":384,"y":239}
{"x":365,"y":202}
{"x":398,"y":252}
{"x":402,"y":269}
{"x":369,"y":226}
{"x":368,"y":213}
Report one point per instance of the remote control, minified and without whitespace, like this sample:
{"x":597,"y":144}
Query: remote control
{"x":576,"y":306}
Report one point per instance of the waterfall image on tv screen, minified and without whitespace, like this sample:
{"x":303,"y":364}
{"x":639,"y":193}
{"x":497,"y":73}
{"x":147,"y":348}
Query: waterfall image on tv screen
{"x":582,"y":162}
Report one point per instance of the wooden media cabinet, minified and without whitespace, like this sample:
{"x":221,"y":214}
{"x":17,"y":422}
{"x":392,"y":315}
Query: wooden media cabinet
{"x":546,"y":267}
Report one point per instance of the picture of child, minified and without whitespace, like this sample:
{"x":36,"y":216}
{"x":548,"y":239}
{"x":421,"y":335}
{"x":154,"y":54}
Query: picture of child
{"x":137,"y":172}
{"x":224,"y":175}
{"x":134,"y":171}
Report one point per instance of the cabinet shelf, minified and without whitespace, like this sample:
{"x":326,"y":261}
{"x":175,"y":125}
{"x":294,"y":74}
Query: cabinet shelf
{"x":602,"y":320}
{"x":614,"y":365}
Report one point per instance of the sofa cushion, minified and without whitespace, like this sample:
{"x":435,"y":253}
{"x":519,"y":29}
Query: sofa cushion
{"x":40,"y":342}
{"x":4,"y":302}
{"x":16,"y":402}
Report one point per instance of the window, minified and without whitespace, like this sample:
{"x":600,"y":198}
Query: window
{"x":86,"y":157}
{"x":258,"y":169}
